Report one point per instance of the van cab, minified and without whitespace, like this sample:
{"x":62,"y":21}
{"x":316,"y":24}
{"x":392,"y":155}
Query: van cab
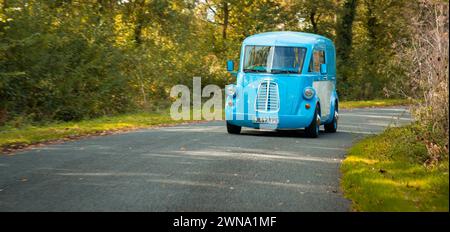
{"x":285,"y":81}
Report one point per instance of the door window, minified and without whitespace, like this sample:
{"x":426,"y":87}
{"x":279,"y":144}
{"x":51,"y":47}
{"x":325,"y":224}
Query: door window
{"x":317,"y":59}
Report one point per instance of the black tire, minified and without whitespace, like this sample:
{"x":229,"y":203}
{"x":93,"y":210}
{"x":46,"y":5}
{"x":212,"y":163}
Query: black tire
{"x":332,"y":126}
{"x":312,"y":131}
{"x":232,"y":129}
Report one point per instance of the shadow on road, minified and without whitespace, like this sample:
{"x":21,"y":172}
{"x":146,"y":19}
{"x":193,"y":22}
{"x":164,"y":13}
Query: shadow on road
{"x":282,"y":133}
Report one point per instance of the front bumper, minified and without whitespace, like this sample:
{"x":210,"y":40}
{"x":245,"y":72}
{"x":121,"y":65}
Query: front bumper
{"x":284,"y":121}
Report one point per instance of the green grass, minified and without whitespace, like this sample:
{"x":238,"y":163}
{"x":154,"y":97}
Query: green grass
{"x":26,"y":134}
{"x":21,"y":134}
{"x":373,"y":103}
{"x":386,"y":173}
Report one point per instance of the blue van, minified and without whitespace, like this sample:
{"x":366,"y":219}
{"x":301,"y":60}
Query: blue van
{"x":285,"y":81}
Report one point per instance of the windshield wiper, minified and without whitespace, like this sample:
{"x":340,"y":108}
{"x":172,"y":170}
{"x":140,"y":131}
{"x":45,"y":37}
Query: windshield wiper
{"x":281,"y":71}
{"x":253,"y":70}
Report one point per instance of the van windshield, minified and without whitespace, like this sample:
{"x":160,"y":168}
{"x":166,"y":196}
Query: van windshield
{"x":274,"y":59}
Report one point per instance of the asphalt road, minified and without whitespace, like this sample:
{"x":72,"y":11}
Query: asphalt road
{"x":193,"y":167}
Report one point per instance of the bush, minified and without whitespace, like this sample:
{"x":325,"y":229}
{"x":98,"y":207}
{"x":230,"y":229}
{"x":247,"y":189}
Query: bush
{"x":59,"y":73}
{"x":428,"y":76}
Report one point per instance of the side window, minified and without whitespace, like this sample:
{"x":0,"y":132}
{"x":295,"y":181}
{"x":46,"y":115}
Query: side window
{"x":317,"y":59}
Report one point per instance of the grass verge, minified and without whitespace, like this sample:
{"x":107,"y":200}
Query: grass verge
{"x":373,"y":103}
{"x":19,"y":135}
{"x":13,"y":137}
{"x":386,"y":173}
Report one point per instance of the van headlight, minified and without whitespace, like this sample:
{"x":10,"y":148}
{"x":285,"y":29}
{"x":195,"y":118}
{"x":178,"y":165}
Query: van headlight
{"x":230,"y":90}
{"x":308,"y":93}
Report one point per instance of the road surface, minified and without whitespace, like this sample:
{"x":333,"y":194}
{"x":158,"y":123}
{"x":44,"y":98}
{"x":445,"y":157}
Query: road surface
{"x":194,"y":167}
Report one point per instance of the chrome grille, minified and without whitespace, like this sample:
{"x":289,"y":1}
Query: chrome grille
{"x":267,"y":98}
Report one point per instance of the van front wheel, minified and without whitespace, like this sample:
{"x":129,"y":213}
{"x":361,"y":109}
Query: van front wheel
{"x":232,"y":129}
{"x":312,"y":131}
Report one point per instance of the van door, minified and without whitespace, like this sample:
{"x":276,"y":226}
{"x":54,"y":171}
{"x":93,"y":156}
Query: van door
{"x":322,"y":83}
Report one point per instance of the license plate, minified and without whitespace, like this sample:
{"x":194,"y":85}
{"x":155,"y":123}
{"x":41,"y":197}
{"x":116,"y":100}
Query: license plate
{"x":266,"y":120}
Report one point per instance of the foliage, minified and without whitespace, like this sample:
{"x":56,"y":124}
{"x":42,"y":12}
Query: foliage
{"x":386,"y":172}
{"x":70,"y":60}
{"x":428,"y":77}
{"x":56,"y":66}
{"x":368,"y":69}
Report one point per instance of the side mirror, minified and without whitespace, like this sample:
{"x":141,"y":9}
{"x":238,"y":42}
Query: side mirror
{"x":230,"y":68}
{"x":230,"y":65}
{"x":323,"y":68}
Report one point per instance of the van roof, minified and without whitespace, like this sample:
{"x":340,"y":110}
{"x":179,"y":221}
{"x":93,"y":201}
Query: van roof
{"x":285,"y":38}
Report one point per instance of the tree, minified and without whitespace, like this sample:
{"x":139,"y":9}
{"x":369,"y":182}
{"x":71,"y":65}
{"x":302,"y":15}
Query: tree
{"x":344,"y":30}
{"x":70,"y":59}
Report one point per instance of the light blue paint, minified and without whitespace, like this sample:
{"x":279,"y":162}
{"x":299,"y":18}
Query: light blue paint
{"x":292,"y":113}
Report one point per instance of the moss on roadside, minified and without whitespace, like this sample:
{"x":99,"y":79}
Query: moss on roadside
{"x":12,"y":136}
{"x":386,"y":172}
{"x":373,"y":103}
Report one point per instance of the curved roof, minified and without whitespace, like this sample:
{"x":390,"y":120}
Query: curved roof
{"x":285,"y":38}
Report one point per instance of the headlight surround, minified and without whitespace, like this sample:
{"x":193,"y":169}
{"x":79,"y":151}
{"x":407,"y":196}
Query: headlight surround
{"x":308,"y":93}
{"x":230,"y":90}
